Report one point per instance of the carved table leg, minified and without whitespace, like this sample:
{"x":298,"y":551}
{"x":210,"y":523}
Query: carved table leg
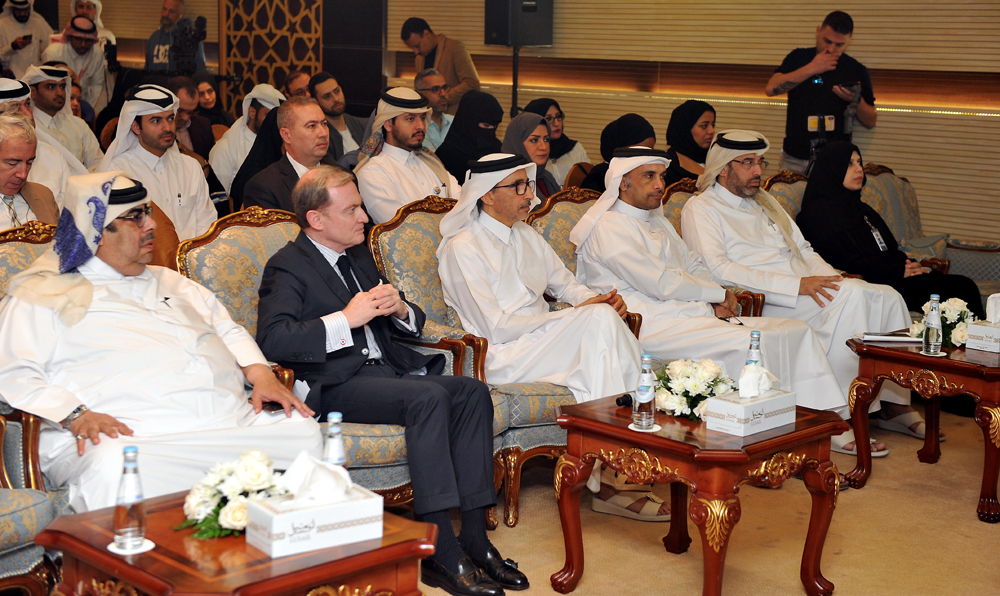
{"x":715,"y":516}
{"x":988,"y":417}
{"x":931,"y":451}
{"x":570,"y":475}
{"x":823,"y":482}
{"x":678,"y":540}
{"x":859,"y":398}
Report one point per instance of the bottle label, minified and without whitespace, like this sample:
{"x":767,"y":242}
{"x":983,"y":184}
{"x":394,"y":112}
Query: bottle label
{"x":335,"y":453}
{"x":645,"y":393}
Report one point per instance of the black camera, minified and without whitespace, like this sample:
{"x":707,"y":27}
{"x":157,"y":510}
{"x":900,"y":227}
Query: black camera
{"x":184,"y":47}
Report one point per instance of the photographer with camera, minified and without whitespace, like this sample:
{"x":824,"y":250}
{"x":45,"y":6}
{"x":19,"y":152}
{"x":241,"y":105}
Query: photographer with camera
{"x":177,"y":46}
{"x":826,"y":90}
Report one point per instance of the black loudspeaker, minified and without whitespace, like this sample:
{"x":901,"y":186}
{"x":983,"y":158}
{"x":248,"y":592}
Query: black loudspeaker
{"x":518,"y":23}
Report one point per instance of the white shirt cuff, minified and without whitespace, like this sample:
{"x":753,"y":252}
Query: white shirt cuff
{"x":409,"y":323}
{"x":338,"y":331}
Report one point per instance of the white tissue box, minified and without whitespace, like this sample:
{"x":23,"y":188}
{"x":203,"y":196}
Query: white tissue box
{"x":741,"y":417}
{"x":984,"y":335}
{"x":281,"y":533}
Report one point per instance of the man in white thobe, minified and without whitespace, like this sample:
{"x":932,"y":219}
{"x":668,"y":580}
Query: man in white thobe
{"x":78,"y":49}
{"x":144,"y":148}
{"x":50,"y":93}
{"x":92,"y":9}
{"x":746,"y":239}
{"x":54,"y":164}
{"x":394,"y":168}
{"x":229,"y":152}
{"x":495,"y":271}
{"x":110,"y":352}
{"x":24,"y":35}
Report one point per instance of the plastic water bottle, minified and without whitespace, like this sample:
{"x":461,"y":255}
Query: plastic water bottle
{"x":129,"y":523}
{"x":333,"y":450}
{"x":753,"y":354}
{"x":642,"y":405}
{"x":932,"y":327}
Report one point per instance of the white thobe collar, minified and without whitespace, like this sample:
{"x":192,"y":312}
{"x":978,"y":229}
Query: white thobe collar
{"x":734,"y":201}
{"x":634,"y":212}
{"x":96,"y":269}
{"x":42,"y":118}
{"x":300,"y":169}
{"x":148,"y":158}
{"x":498,"y":229}
{"x":397,"y":153}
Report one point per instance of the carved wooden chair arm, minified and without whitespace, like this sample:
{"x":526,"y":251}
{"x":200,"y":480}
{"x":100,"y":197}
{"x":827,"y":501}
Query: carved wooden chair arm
{"x":751,"y":304}
{"x":31,"y":426}
{"x":285,"y":375}
{"x":937,"y":264}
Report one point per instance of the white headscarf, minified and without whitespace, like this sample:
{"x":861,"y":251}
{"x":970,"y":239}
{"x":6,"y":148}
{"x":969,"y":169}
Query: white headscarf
{"x":266,"y":95}
{"x":624,"y":161}
{"x":464,"y":213}
{"x":11,"y":90}
{"x":141,"y":101}
{"x":726,"y":147}
{"x":91,"y":201}
{"x":37,"y":74}
{"x":97,"y":5}
{"x":12,"y":4}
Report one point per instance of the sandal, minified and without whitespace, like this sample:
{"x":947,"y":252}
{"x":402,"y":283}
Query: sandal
{"x":837,"y":444}
{"x":620,"y":502}
{"x":901,"y":424}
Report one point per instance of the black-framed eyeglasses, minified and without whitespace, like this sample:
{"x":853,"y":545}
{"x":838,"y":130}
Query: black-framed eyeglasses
{"x":749,"y":163}
{"x":520,"y":186}
{"x":436,"y":89}
{"x":139,"y":217}
{"x":560,"y":117}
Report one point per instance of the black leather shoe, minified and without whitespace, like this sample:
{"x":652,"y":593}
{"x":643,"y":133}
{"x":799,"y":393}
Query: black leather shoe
{"x":502,"y":571}
{"x":469,"y":581}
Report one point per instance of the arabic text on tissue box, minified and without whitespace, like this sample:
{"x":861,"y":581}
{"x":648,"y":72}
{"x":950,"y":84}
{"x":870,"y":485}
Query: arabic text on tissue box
{"x":734,"y":415}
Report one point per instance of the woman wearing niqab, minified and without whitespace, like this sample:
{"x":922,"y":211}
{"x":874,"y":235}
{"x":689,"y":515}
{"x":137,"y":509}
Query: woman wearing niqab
{"x":473,"y":133}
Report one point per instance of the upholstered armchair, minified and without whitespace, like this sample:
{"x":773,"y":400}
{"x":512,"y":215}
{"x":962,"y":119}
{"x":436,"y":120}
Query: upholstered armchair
{"x":555,"y":219}
{"x":524,"y":413}
{"x":26,"y":506}
{"x":229,"y":259}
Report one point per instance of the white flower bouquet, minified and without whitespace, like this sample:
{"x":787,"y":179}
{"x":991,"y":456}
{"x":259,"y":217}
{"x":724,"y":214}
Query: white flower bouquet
{"x":217,"y":506}
{"x":683,"y":386}
{"x":955,"y":319}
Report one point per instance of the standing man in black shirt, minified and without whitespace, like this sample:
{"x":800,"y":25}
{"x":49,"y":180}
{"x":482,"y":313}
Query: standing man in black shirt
{"x":826,"y":90}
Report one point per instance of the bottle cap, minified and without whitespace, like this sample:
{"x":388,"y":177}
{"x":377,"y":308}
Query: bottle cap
{"x":130,"y":449}
{"x":755,"y":334}
{"x":335,"y":417}
{"x":647,"y":355}
{"x":935,"y":297}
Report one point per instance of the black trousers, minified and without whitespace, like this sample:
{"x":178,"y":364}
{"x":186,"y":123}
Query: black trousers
{"x":449,"y":431}
{"x":917,"y":289}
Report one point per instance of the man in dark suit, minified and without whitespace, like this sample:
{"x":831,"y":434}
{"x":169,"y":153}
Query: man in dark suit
{"x":327,"y":313}
{"x":346,"y":131}
{"x":305,"y":139}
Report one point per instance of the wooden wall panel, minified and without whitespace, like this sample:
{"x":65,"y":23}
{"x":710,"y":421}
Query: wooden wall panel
{"x":137,"y":19}
{"x":907,"y":35}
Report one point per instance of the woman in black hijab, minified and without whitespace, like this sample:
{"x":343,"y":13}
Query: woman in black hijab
{"x":265,"y":151}
{"x":689,"y":134}
{"x":209,"y":103}
{"x":564,"y":152}
{"x":629,"y":130}
{"x":853,"y":237}
{"x":473,"y":133}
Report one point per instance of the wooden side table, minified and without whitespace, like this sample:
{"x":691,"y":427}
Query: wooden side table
{"x":959,"y":372}
{"x":712,"y":465}
{"x":183,"y":565}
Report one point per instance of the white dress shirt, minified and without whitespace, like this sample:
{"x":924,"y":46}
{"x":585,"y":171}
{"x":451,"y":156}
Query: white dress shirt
{"x":73,"y":134}
{"x":396,"y":177}
{"x":496,"y":278}
{"x":21,"y":211}
{"x":229,"y":152}
{"x":159,"y":353}
{"x":18,"y":61}
{"x":175,"y":184}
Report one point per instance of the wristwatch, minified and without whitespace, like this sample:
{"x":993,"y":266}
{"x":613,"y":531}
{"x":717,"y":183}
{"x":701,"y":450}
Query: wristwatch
{"x":79,"y":411}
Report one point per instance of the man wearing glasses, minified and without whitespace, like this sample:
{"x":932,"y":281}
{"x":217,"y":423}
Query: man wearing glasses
{"x":495,"y":272}
{"x":431,"y":84}
{"x":747,"y":240}
{"x":625,"y":242}
{"x":110,"y":352}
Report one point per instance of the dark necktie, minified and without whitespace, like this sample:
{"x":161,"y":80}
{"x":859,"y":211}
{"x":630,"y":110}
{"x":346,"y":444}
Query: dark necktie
{"x":345,"y":270}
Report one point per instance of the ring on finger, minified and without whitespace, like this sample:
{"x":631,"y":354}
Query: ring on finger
{"x":81,"y":437}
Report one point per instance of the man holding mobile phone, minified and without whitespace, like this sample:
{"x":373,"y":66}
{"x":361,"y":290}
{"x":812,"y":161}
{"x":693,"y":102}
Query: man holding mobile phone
{"x":826,"y":90}
{"x":24,"y":35}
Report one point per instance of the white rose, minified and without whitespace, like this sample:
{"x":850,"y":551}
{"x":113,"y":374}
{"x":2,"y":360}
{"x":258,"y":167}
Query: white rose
{"x":660,"y":399}
{"x":254,"y":471}
{"x":703,"y":375}
{"x":234,"y":515}
{"x":917,"y":329}
{"x":700,"y":409}
{"x":926,"y":307}
{"x":960,"y":334}
{"x":955,"y":303}
{"x":711,"y":367}
{"x":678,"y":368}
{"x":200,"y":502}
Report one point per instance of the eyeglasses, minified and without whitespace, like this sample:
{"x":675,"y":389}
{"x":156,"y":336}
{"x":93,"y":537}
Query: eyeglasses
{"x":520,"y":186}
{"x":560,"y":117}
{"x":749,"y":163}
{"x":139,"y":217}
{"x":437,"y":89}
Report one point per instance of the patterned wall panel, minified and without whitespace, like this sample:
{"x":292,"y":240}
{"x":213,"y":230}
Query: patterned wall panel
{"x":265,"y":39}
